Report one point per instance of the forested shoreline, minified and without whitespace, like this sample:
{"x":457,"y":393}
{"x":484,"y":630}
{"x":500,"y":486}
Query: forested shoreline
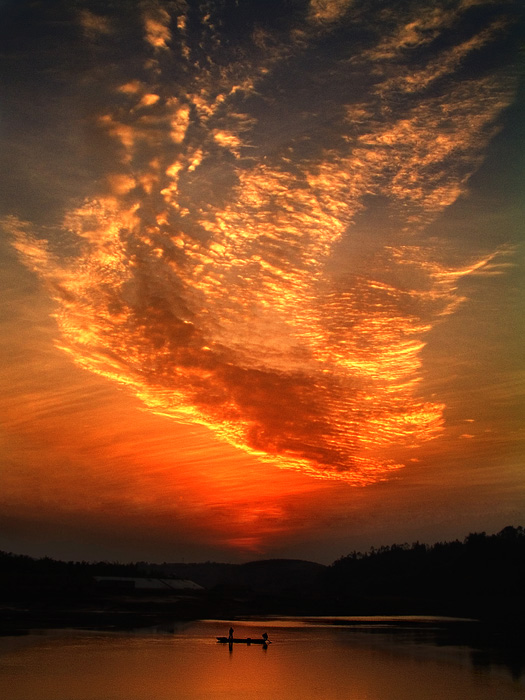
{"x":481,"y":577}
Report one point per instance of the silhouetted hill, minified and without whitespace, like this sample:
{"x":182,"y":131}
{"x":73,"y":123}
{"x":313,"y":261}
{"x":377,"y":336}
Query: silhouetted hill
{"x":270,"y":575}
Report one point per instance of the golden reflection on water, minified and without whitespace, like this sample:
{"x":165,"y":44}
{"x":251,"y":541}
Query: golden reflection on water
{"x":302,"y":662}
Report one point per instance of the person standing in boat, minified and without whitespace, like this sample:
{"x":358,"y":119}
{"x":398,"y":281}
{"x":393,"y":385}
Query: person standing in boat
{"x":230,"y":634}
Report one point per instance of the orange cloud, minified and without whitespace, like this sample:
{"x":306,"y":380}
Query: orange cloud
{"x":94,"y":25}
{"x":220,"y":276}
{"x":156,"y":25}
{"x":327,"y":10}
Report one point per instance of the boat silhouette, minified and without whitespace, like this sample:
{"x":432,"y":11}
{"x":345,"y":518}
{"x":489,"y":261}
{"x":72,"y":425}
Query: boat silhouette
{"x":248,"y":640}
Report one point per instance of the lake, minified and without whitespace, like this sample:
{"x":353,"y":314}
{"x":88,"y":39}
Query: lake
{"x":376,"y":658}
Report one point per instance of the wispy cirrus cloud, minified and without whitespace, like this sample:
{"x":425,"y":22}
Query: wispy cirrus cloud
{"x":207,"y":274}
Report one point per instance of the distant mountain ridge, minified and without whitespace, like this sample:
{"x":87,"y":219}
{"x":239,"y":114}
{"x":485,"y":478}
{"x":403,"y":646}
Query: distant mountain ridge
{"x":265,"y":574}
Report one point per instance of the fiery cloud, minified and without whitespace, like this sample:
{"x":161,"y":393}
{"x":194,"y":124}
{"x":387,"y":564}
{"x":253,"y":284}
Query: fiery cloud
{"x":230,"y":273}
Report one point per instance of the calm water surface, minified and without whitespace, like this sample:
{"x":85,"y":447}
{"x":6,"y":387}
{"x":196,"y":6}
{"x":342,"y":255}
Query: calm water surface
{"x":387,"y":660}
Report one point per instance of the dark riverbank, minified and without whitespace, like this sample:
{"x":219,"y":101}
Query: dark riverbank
{"x":482,"y":578}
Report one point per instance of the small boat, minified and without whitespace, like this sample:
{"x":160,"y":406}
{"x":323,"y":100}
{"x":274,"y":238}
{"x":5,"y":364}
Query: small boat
{"x":248,"y":640}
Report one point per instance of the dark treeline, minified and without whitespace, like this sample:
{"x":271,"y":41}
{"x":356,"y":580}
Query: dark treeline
{"x":504,"y":550}
{"x":22,"y":563}
{"x":482,"y":576}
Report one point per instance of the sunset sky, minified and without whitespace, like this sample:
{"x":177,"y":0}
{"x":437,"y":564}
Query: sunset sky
{"x":262,"y":276}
